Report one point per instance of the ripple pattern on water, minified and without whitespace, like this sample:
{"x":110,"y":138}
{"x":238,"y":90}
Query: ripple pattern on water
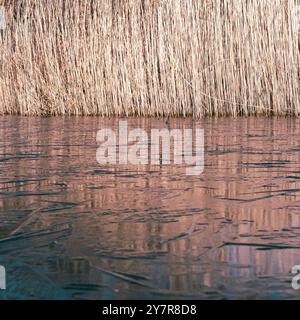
{"x":114,"y":232}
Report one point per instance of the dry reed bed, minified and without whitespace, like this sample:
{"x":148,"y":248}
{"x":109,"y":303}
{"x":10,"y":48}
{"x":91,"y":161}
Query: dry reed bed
{"x":150,"y":57}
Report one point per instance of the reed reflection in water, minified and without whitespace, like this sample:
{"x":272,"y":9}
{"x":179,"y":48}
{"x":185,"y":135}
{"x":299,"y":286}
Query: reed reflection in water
{"x":72,"y":228}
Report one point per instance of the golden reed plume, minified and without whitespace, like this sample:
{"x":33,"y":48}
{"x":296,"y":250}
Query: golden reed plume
{"x":150,"y":57}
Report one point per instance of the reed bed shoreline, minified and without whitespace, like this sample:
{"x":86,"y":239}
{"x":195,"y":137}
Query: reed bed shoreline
{"x":155,"y":58}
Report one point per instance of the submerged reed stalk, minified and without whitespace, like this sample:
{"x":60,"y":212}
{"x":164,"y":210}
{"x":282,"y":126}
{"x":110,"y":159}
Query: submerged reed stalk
{"x":150,"y":57}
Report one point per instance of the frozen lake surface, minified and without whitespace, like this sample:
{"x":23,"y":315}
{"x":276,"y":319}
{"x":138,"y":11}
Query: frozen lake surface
{"x":70,"y":228}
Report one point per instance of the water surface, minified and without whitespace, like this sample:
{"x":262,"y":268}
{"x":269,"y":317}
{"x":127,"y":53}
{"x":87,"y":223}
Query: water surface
{"x":70,"y":228}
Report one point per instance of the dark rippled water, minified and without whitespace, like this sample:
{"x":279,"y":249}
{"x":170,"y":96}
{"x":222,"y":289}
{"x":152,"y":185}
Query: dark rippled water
{"x":70,"y":228}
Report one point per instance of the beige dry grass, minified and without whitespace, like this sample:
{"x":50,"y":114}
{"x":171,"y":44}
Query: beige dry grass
{"x":150,"y":57}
